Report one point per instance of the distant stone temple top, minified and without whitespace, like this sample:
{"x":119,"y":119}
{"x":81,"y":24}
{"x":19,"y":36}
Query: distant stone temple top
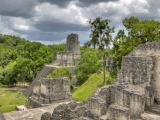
{"x":72,"y":43}
{"x":71,"y":55}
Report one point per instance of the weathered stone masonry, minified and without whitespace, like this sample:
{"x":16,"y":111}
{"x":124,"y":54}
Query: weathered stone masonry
{"x":69,"y":58}
{"x":71,"y":55}
{"x":50,"y":90}
{"x":135,"y":90}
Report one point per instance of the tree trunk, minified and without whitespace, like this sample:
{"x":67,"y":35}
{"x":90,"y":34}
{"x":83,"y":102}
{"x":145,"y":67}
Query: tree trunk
{"x":104,"y":68}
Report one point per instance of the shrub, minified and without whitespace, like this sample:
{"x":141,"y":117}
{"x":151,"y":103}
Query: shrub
{"x":1,"y":85}
{"x":59,"y":72}
{"x":71,"y":86}
{"x":112,"y":77}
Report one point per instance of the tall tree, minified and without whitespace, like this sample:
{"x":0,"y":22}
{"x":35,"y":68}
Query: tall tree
{"x":145,"y":30}
{"x":140,"y":32}
{"x":88,"y":64}
{"x":102,"y":37}
{"x":37,"y":54}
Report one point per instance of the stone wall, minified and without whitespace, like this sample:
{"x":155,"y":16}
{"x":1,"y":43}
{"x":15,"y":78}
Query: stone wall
{"x":147,"y":49}
{"x":135,"y":90}
{"x":151,"y":49}
{"x":43,"y":73}
{"x":155,"y":79}
{"x":50,"y":90}
{"x":71,"y":55}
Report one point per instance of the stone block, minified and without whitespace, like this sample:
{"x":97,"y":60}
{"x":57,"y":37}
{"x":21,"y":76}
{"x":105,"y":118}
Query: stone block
{"x":46,"y":116}
{"x":97,"y":105}
{"x":149,"y":98}
{"x":52,"y":90}
{"x":116,"y":112}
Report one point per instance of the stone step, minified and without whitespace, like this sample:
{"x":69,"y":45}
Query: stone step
{"x":31,"y":114}
{"x":128,"y":98}
{"x":155,"y":109}
{"x":150,"y":116}
{"x":43,"y":73}
{"x":116,"y":112}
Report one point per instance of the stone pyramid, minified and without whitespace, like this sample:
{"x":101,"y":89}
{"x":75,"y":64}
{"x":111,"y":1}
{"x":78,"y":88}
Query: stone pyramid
{"x":69,"y":58}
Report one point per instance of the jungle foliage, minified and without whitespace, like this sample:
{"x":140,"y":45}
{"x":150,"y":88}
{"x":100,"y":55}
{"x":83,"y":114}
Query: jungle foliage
{"x":139,"y":32}
{"x":21,"y":60}
{"x":59,"y":72}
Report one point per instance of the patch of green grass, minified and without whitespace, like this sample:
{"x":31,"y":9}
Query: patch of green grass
{"x":8,"y":100}
{"x":8,"y":108}
{"x":94,"y":82}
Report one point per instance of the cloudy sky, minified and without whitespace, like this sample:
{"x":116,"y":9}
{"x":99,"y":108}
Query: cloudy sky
{"x":51,"y":21}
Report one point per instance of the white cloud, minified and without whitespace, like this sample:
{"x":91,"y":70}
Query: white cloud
{"x":48,"y":15}
{"x":71,"y":14}
{"x":4,"y":28}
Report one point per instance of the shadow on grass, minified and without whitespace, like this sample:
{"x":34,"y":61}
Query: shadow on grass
{"x":11,"y":91}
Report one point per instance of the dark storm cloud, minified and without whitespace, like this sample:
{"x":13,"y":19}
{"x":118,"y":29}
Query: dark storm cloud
{"x":43,"y":36}
{"x":87,"y":3}
{"x":17,"y":8}
{"x":60,"y":27}
{"x":60,"y":3}
{"x":81,"y":3}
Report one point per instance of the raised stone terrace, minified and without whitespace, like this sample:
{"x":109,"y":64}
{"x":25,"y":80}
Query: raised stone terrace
{"x":135,"y":95}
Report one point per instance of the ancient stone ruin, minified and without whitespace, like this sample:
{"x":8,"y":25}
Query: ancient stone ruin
{"x":48,"y":91}
{"x":1,"y":116}
{"x":69,"y":58}
{"x":111,"y":64}
{"x":71,"y":55}
{"x":135,"y":91}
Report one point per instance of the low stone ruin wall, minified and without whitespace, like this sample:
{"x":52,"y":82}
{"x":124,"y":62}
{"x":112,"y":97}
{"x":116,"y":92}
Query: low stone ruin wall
{"x":128,"y":97}
{"x":50,"y":90}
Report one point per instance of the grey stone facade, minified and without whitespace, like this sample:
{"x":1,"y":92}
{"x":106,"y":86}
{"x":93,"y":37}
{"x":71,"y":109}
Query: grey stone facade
{"x":48,"y":91}
{"x":71,"y":55}
{"x":43,"y":73}
{"x":135,"y":90}
{"x":111,"y":64}
{"x":69,"y":58}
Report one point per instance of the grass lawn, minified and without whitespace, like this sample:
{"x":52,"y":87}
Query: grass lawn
{"x":8,"y":100}
{"x":85,"y":91}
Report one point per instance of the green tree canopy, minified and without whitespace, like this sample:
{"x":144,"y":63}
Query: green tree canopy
{"x":89,"y":63}
{"x":140,"y":32}
{"x":101,"y":37}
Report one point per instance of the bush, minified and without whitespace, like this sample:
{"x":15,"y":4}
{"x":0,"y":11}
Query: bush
{"x":1,"y":85}
{"x":71,"y":86}
{"x":112,"y":77}
{"x":59,"y":72}
{"x":89,"y":63}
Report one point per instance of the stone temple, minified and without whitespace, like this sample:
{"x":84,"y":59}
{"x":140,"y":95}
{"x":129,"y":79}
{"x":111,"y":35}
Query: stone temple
{"x":69,"y":58}
{"x":135,"y":95}
{"x":71,"y":55}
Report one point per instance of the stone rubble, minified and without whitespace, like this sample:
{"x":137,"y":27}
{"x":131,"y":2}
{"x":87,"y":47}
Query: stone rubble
{"x":135,"y":91}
